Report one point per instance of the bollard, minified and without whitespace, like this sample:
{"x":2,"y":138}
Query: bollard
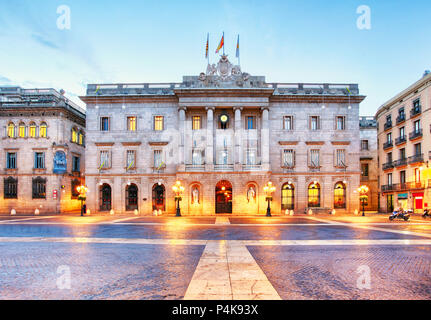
{"x":36,"y":212}
{"x":112,"y":212}
{"x":286,"y":212}
{"x":155,"y":213}
{"x":333,"y":212}
{"x":13,"y":212}
{"x":310,"y":212}
{"x":88,"y":212}
{"x":291,"y":212}
{"x":159,"y":213}
{"x":136,"y":212}
{"x":356,"y":212}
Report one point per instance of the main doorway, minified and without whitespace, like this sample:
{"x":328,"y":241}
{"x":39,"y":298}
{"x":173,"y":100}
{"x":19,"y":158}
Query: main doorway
{"x":223,"y":197}
{"x":131,"y":197}
{"x":159,"y":197}
{"x":105,"y":197}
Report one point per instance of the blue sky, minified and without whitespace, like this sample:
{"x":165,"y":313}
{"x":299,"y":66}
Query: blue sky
{"x":160,"y":41}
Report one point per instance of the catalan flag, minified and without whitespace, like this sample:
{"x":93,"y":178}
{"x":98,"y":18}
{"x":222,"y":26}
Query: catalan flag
{"x":221,"y":45}
{"x":348,"y":90}
{"x":207,"y":46}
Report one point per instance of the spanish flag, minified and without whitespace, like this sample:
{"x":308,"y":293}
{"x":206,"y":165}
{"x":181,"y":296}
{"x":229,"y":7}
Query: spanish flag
{"x":207,"y":47}
{"x":221,"y":45}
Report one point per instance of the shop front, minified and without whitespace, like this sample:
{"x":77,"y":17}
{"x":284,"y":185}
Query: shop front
{"x":418,"y":201}
{"x":403,"y":201}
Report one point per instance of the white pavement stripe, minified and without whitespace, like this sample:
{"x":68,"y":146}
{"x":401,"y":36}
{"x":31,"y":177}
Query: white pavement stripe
{"x":222,"y":221}
{"x":123,"y":219}
{"x":354,"y":225}
{"x":228,"y":271}
{"x":26,"y":219}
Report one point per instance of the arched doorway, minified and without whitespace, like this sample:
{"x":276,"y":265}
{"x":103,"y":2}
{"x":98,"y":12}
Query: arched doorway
{"x":288,"y":197}
{"x":223,"y":197}
{"x":105,"y":199}
{"x":159,"y":197}
{"x":314,"y":195}
{"x":131,"y":197}
{"x":340,"y":196}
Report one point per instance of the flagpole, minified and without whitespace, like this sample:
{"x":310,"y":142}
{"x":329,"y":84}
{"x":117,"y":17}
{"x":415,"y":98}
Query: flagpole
{"x":208,"y":49}
{"x":223,"y":42}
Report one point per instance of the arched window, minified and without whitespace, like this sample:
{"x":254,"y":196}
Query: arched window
{"x":21,"y":130}
{"x":314,"y":195}
{"x":32,"y":131}
{"x":43,"y":130}
{"x":74,"y":135}
{"x":74,"y":192}
{"x":340,"y":196}
{"x":11,"y":188}
{"x":81,"y":138}
{"x":39,"y":188}
{"x":288,"y":197}
{"x":131,"y":197}
{"x":11,"y":130}
{"x":105,"y":199}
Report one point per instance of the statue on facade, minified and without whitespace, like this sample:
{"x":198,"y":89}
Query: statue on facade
{"x":195,"y":195}
{"x":251,"y":194}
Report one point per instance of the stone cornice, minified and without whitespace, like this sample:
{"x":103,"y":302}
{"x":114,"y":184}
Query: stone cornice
{"x":314,"y":143}
{"x":104,"y":144}
{"x":287,"y":143}
{"x":138,"y":143}
{"x":317,"y":99}
{"x":340,"y":143}
{"x":158,"y":143}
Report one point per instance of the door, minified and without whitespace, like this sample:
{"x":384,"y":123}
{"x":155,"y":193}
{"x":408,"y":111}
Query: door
{"x":223,"y":197}
{"x":131,"y":197}
{"x":159,"y":197}
{"x":105,"y":198}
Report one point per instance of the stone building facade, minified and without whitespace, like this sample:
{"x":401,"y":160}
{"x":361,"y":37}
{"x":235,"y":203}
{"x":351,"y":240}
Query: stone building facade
{"x":42,"y":151}
{"x":369,"y":166}
{"x":224,"y":135}
{"x":404,"y":148}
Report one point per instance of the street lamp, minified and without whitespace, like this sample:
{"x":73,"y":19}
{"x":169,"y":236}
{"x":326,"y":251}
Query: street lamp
{"x":178,"y":189}
{"x":269,"y":189}
{"x":82,"y":196}
{"x":363,"y":190}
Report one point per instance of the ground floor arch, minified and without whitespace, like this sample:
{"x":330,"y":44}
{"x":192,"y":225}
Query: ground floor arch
{"x":105,"y":197}
{"x":223,"y":197}
{"x":159,"y":197}
{"x":288,"y":197}
{"x":131,"y":197}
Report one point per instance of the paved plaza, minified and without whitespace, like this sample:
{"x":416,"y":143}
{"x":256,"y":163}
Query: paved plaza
{"x":216,"y":258}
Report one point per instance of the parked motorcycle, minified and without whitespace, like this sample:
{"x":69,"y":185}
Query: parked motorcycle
{"x":426,"y":213}
{"x":400,"y":214}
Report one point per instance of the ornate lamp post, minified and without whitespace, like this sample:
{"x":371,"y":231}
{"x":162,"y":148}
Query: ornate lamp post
{"x":363,"y":190}
{"x":178,"y":189}
{"x":82,"y":196}
{"x":269,"y":189}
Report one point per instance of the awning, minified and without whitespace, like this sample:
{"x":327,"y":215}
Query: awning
{"x":403,"y":196}
{"x":417,"y":194}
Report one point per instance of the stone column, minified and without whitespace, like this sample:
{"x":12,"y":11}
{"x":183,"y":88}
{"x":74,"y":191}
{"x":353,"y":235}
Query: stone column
{"x":265,"y":139}
{"x":238,"y":143}
{"x":209,"y":152}
{"x":181,"y":142}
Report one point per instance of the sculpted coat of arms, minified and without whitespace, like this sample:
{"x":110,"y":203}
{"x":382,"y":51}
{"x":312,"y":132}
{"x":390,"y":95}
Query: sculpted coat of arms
{"x":223,"y":74}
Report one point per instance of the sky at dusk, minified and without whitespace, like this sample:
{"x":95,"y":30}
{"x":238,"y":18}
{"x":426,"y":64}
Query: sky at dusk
{"x":160,"y":41}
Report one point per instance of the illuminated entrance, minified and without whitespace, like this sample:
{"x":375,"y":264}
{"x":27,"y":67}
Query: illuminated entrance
{"x":159,"y":197}
{"x":223,"y":197}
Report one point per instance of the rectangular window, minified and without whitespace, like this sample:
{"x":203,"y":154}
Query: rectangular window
{"x":418,"y":149}
{"x":314,"y":123}
{"x":402,"y":132}
{"x":314,"y":158}
{"x":289,"y":158}
{"x":157,"y":160}
{"x":341,"y":123}
{"x":11,"y":188}
{"x":104,"y":124}
{"x":402,"y":177}
{"x":131,"y":123}
{"x":130,"y":159}
{"x":105,"y":159}
{"x":158,"y":123}
{"x":11,"y":160}
{"x":364,"y":144}
{"x":341,"y":158}
{"x":402,"y":153}
{"x":417,"y":125}
{"x":76,"y":164}
{"x":417,"y":175}
{"x":365,"y":169}
{"x":389,"y":138}
{"x":250,"y":123}
{"x":389,"y":179}
{"x":389,"y":157}
{"x":39,"y":188}
{"x":197,"y":157}
{"x":196,"y":123}
{"x":251,"y":156}
{"x":288,"y":123}
{"x":39,"y":160}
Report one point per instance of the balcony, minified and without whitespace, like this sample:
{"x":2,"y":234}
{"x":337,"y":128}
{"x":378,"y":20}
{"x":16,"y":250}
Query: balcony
{"x":401,"y":118}
{"x":415,"y":185}
{"x":388,"y":165}
{"x":415,"y":111}
{"x":389,"y":187}
{"x":416,"y":134}
{"x":419,"y":158}
{"x":251,"y":167}
{"x":388,"y":145}
{"x":195,"y":167}
{"x":400,"y":162}
{"x":223,"y":167}
{"x":388,"y":125}
{"x":400,"y":140}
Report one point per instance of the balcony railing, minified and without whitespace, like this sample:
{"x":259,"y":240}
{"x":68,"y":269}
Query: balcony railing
{"x":415,"y":111}
{"x":400,"y":140}
{"x":416,"y":134}
{"x":416,"y":158}
{"x":388,"y":187}
{"x":251,"y":167}
{"x":388,"y":165}
{"x":401,"y":118}
{"x":388,"y":145}
{"x":415,"y":185}
{"x":400,"y":162}
{"x":388,"y":125}
{"x":404,"y":186}
{"x":195,"y":167}
{"x":223,"y":167}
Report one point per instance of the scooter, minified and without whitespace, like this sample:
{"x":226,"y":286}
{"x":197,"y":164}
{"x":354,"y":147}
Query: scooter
{"x":426,"y":213}
{"x":400,"y":214}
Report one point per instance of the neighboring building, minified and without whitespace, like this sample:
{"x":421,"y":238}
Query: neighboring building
{"x":42,"y":150}
{"x":404,"y":148}
{"x":369,"y":166}
{"x":224,"y":134}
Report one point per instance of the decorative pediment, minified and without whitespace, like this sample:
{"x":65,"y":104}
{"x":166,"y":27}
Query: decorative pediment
{"x":314,"y":143}
{"x":158,"y":143}
{"x":287,"y":143}
{"x":340,"y":143}
{"x":104,"y":144}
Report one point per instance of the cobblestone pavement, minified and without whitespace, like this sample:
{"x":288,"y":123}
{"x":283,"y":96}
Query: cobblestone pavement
{"x":251,"y":258}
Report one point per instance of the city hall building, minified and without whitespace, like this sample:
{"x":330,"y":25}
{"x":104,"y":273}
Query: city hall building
{"x":42,"y":151}
{"x":223,"y":135}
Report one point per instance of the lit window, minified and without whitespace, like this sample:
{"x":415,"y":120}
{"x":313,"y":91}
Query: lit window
{"x":74,"y":135}
{"x":81,"y":138}
{"x":417,"y":175}
{"x":340,"y":196}
{"x":196,"y":123}
{"x":32,"y":132}
{"x":131,"y":123}
{"x":158,"y":123}
{"x":43,"y":130}
{"x":21,"y":131}
{"x":314,"y":195}
{"x":11,"y":130}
